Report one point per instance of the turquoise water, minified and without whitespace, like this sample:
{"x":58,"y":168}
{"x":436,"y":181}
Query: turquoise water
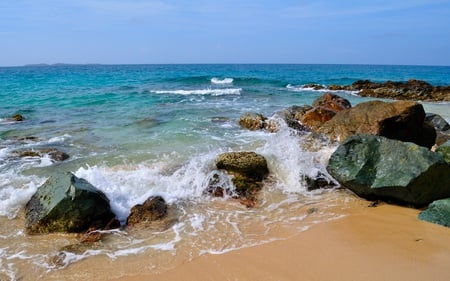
{"x":140,"y":130}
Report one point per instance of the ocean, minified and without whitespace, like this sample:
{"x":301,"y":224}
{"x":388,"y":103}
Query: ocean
{"x":135,"y":131}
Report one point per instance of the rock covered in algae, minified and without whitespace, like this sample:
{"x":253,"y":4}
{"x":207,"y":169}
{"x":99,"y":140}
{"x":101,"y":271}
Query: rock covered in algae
{"x":66,"y":203}
{"x":375,"y":168}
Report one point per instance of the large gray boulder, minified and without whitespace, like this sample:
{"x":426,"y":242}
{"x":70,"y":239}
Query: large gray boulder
{"x":401,"y":120}
{"x":437,"y":212}
{"x":377,"y":168}
{"x":66,"y":203}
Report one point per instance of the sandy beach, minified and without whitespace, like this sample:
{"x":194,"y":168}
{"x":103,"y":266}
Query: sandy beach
{"x":371,"y":243}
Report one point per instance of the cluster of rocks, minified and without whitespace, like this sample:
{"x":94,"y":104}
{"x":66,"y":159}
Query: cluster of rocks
{"x":409,"y":90}
{"x":384,"y":148}
{"x":383,"y":154}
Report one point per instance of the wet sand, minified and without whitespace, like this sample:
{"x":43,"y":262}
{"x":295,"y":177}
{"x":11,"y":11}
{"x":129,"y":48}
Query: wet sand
{"x":371,"y":243}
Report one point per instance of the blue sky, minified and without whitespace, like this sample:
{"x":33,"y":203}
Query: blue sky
{"x":196,"y":31}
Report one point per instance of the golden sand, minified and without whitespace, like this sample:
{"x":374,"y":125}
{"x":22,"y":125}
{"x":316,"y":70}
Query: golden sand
{"x":371,"y":243}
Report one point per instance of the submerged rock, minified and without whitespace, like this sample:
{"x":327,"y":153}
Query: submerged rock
{"x":375,"y":168}
{"x":153,"y":209}
{"x":401,"y":120}
{"x":17,"y":117}
{"x":437,"y":212}
{"x":66,"y":203}
{"x":53,"y":153}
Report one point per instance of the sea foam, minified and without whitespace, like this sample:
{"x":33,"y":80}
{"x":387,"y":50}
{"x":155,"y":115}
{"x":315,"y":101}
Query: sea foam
{"x":222,"y":81}
{"x":212,"y":92}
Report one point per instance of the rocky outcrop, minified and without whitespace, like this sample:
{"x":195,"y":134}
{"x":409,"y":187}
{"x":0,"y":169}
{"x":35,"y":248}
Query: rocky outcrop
{"x":400,"y":120}
{"x":410,"y":90}
{"x":437,"y":212}
{"x":332,"y":101}
{"x":247,"y":170}
{"x":66,"y":203}
{"x":153,"y":209}
{"x":377,"y":168}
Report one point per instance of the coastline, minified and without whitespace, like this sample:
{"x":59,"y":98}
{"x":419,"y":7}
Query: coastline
{"x":386,"y":242}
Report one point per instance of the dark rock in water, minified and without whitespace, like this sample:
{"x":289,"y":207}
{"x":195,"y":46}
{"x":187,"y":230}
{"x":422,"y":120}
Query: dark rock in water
{"x":252,"y":121}
{"x":320,"y":181}
{"x":17,"y":117}
{"x":444,"y":150}
{"x":153,"y":209}
{"x":293,"y":116}
{"x":247,"y":164}
{"x":219,"y":185}
{"x":437,"y":212}
{"x":375,"y":167}
{"x":53,"y":153}
{"x":66,"y":203}
{"x":401,"y":120}
{"x":247,"y":169}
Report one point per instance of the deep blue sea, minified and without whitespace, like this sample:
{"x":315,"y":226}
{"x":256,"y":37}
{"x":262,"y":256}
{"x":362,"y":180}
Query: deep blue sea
{"x":140,"y":130}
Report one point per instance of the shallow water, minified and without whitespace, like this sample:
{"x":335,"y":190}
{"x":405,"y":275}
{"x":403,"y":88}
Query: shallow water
{"x":138,"y":131}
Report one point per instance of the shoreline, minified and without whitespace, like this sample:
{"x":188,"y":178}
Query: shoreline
{"x":386,"y":242}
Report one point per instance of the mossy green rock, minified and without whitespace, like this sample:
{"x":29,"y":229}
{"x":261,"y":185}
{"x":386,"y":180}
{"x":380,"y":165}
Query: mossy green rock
{"x":66,"y":203}
{"x":438,"y":212}
{"x":377,"y":168}
{"x":444,"y":149}
{"x":247,"y":164}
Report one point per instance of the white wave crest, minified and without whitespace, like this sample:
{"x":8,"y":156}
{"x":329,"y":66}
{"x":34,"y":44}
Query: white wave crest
{"x":304,"y":88}
{"x":212,"y":92}
{"x":216,"y":80}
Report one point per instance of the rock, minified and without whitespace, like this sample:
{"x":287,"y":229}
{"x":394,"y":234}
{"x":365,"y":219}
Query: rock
{"x":375,"y":168}
{"x":324,"y":108}
{"x":247,"y":169}
{"x":410,"y":90}
{"x":437,"y":212}
{"x":247,"y":164}
{"x":66,"y":203}
{"x":444,"y":150}
{"x":316,"y":117}
{"x":401,"y":120}
{"x":153,"y":209}
{"x":293,"y":115}
{"x":318,"y":182}
{"x":252,"y":121}
{"x":53,"y":153}
{"x":439,"y":123}
{"x":17,"y":117}
{"x":271,"y":125}
{"x":332,"y":101}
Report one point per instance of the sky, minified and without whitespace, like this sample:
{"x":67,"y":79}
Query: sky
{"x":407,"y":32}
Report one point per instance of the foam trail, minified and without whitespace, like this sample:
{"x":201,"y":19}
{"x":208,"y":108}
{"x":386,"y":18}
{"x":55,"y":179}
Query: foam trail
{"x":219,"y":81}
{"x":212,"y":92}
{"x":303,"y":88}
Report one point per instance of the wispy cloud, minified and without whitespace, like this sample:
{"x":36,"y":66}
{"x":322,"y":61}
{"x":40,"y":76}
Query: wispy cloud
{"x":323,"y":9}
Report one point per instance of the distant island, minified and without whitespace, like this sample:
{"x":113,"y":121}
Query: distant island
{"x":60,"y":64}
